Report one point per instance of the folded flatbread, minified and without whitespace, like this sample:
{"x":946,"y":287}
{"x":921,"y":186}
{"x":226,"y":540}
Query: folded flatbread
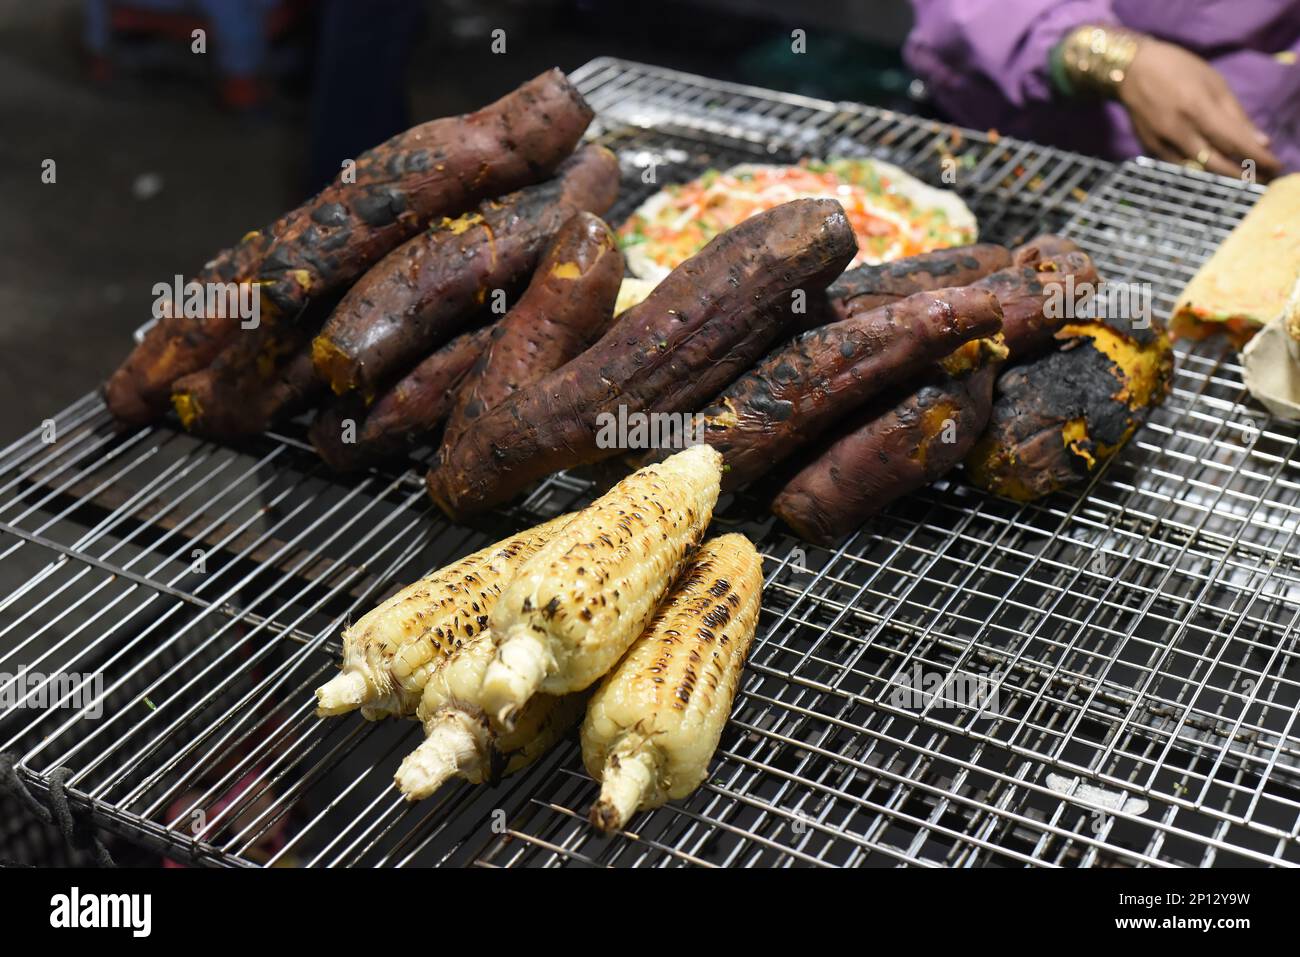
{"x":1246,"y":282}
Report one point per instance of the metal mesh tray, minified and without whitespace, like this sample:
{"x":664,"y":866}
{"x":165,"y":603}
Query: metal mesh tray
{"x":1139,"y":634}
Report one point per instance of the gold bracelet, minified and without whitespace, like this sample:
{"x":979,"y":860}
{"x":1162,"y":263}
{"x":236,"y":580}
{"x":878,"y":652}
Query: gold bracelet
{"x":1096,"y":59}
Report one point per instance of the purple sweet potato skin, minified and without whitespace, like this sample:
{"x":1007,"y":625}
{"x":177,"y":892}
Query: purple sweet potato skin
{"x":1024,"y":292}
{"x":567,"y":305}
{"x":888,"y":449}
{"x":404,"y":416}
{"x":439,"y":168}
{"x":1044,"y":246}
{"x":139,"y":391}
{"x":869,"y":287}
{"x":802,"y":389}
{"x":261,"y":377}
{"x":429,"y":288}
{"x":701,"y":327}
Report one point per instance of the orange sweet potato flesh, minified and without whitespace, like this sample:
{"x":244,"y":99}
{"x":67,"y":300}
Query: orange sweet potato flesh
{"x":1058,"y":417}
{"x":431,"y":286}
{"x":702,"y":325}
{"x":567,"y":305}
{"x":439,"y":168}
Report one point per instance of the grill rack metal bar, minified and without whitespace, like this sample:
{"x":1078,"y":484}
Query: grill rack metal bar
{"x":1140,"y":634}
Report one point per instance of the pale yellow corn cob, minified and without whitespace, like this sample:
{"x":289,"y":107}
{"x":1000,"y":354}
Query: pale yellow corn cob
{"x":388,"y":653}
{"x":460,"y":743}
{"x":654,"y":722}
{"x":574,"y":607}
{"x":459,"y":739}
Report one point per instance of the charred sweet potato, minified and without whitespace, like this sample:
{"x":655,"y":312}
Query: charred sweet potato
{"x":262,"y":376}
{"x":140,"y":389}
{"x":567,"y":305}
{"x":427,"y":289}
{"x":862,"y":470}
{"x":892,"y":447}
{"x":405,"y":416}
{"x":802,"y":389}
{"x":1039,"y":297}
{"x":440,"y":168}
{"x":868,"y":287}
{"x":1057,"y":418}
{"x":706,"y":322}
{"x":1044,"y":246}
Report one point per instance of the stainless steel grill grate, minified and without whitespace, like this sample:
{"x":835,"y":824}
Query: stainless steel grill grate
{"x":1139,"y":637}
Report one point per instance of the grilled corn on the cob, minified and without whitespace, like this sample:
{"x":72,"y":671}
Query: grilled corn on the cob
{"x":459,"y":739}
{"x":460,"y":743}
{"x":388,"y":653}
{"x":654,"y":722}
{"x":584,"y":597}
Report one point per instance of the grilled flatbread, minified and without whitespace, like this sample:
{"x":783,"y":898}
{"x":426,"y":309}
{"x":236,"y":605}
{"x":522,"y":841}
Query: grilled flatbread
{"x":1246,"y":282}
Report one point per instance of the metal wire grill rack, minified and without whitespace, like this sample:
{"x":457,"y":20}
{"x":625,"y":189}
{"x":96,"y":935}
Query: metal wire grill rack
{"x":1135,"y":640}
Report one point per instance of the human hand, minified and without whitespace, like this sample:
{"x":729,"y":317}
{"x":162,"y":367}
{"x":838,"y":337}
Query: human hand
{"x":1183,"y":109}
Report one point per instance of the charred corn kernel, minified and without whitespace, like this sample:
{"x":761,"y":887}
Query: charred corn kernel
{"x":389,"y":652}
{"x":654,"y":722}
{"x":460,"y":743}
{"x":576,"y":605}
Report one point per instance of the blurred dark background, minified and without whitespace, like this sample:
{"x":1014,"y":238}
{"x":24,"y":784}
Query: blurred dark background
{"x":162,"y":155}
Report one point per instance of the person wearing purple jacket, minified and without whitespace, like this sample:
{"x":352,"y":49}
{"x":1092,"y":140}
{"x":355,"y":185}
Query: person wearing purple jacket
{"x":1213,"y":84}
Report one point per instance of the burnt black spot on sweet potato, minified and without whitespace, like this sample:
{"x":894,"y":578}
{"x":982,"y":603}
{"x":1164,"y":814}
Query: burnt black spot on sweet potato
{"x":1078,"y":382}
{"x":330,"y":214}
{"x":763,"y":402}
{"x":379,"y":207}
{"x":278,"y":260}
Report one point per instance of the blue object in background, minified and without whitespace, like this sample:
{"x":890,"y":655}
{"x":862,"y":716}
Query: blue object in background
{"x":238,"y":28}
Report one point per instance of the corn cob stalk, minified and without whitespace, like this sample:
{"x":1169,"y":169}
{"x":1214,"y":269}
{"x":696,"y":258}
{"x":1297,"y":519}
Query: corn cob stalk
{"x":654,"y":722}
{"x":459,"y":739}
{"x":576,"y":605}
{"x":460,"y":743}
{"x":389,"y":652}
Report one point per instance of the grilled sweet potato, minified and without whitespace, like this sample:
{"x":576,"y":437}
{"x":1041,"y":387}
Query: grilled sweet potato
{"x":1057,"y":418}
{"x":426,"y":290}
{"x":405,"y":416}
{"x":892,"y":447}
{"x":440,"y":168}
{"x":139,"y":390}
{"x":1044,"y":246}
{"x":803,"y":388}
{"x":567,"y":305}
{"x":707,"y":321}
{"x":262,"y":376}
{"x":867,"y":287}
{"x":1036,"y":298}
